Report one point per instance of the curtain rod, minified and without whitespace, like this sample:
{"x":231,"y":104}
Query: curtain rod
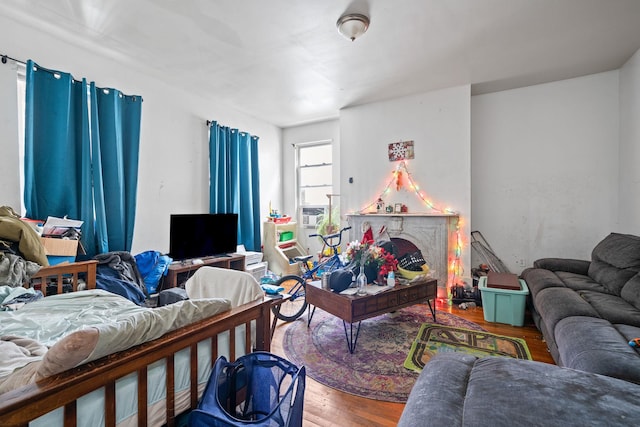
{"x":5,"y":58}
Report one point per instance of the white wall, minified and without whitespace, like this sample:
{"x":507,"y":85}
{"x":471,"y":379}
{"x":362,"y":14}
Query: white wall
{"x":9,"y":171}
{"x":629,"y":194}
{"x":542,"y":162}
{"x":321,"y":131}
{"x":173,"y":171}
{"x":439,"y":124}
{"x":545,"y":168}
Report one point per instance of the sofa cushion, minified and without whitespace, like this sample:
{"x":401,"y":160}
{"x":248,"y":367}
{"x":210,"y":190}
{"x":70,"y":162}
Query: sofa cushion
{"x":612,"y":308}
{"x":595,"y":345}
{"x":578,"y":266}
{"x":555,"y":304}
{"x":579,"y":282}
{"x":631,"y":291}
{"x":540,"y":279}
{"x":442,"y":384}
{"x":452,"y":390}
{"x":615,"y":260}
{"x":629,"y":332}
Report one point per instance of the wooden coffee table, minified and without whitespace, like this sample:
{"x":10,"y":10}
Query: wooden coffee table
{"x":353,"y":308}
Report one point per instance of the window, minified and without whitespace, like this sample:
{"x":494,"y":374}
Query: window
{"x":314,"y":180}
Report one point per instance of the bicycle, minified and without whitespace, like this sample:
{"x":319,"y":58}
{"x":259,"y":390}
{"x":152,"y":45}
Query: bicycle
{"x":293,"y":307}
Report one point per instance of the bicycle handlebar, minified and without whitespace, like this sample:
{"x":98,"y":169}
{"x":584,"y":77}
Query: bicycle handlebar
{"x":331,"y":236}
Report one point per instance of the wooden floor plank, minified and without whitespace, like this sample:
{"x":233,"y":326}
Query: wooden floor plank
{"x":327,"y":407}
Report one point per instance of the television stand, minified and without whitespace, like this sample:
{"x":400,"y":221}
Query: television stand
{"x":179,"y":272}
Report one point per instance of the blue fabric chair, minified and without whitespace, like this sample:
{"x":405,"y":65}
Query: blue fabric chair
{"x":258,"y":389}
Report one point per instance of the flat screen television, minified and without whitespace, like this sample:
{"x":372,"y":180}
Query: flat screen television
{"x":202,"y":235}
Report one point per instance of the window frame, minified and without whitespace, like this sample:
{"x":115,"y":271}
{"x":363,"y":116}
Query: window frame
{"x":299,"y":167}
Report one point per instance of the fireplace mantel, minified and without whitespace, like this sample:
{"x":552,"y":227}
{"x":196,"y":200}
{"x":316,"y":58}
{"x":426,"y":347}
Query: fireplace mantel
{"x":432,"y":233}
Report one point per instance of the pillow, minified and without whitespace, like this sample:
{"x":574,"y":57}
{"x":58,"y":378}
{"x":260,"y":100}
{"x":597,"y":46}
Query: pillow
{"x":69,"y":352}
{"x":618,"y":250}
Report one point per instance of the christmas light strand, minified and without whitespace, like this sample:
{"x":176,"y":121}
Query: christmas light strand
{"x":397,"y":178}
{"x":454,"y":265}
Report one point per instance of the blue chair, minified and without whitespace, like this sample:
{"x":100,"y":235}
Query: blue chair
{"x":258,"y":389}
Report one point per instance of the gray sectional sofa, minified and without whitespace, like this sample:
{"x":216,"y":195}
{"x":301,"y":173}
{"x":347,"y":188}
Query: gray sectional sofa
{"x":587,"y":311}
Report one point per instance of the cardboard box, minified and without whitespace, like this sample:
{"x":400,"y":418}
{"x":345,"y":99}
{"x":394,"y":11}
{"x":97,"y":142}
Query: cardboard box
{"x":59,"y":250}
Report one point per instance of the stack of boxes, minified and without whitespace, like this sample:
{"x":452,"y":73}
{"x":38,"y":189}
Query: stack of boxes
{"x":59,"y":250}
{"x":253,"y":263}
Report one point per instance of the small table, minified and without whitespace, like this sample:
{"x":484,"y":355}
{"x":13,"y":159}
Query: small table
{"x":354,"y":308}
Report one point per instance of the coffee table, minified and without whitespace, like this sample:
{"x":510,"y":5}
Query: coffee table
{"x":354,"y":308}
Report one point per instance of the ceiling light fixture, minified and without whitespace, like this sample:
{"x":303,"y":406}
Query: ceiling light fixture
{"x":352,"y":25}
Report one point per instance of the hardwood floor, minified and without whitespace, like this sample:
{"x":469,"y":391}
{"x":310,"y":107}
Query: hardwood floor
{"x":324,"y":406}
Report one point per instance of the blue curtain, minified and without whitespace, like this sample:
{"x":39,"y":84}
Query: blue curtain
{"x":234,"y":185}
{"x":81,"y":156}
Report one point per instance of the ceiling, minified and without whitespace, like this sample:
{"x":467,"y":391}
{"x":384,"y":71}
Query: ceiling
{"x":283,"y":61}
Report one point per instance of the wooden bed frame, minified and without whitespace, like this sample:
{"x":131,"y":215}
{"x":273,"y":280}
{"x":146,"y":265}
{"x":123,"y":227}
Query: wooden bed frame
{"x":27,"y":403}
{"x":74,"y":271}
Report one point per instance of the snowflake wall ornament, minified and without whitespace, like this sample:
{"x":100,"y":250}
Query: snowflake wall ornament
{"x":400,"y":151}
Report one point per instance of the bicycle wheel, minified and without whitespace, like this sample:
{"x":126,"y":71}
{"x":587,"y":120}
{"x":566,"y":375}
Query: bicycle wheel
{"x":293,"y":308}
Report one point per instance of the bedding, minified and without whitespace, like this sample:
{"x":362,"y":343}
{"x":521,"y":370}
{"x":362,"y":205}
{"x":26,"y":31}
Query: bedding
{"x":148,"y":384}
{"x":239,"y":287}
{"x":84,"y":326}
{"x":13,"y":229}
{"x":13,"y":298}
{"x":15,"y":270}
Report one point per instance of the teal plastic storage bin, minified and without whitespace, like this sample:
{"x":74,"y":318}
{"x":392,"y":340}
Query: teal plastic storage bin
{"x":503,"y":305}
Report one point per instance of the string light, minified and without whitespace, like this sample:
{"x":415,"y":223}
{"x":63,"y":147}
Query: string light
{"x":397,"y":175}
{"x":401,"y":171}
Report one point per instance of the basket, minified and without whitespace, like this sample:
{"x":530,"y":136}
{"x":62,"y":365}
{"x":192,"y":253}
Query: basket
{"x":280,"y":220}
{"x":410,"y":274}
{"x":258,"y":389}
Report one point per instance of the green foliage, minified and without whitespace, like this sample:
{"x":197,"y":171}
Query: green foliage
{"x":324,"y":227}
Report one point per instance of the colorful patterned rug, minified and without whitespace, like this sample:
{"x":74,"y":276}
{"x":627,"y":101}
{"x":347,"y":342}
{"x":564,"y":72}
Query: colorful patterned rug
{"x":434,"y":338}
{"x":375,"y":370}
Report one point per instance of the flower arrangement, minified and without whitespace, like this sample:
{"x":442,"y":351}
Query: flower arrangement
{"x":371,"y":254}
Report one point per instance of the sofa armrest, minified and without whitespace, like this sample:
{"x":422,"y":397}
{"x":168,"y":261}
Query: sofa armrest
{"x":577,"y":266}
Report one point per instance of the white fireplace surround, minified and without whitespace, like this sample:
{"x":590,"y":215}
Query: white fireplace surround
{"x":431,"y":233}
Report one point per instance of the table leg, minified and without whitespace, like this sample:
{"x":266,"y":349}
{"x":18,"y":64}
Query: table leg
{"x":273,"y":323}
{"x":310,"y":314}
{"x":351,"y":343}
{"x":432,"y":308}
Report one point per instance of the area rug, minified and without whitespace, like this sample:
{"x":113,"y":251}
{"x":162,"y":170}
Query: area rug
{"x":375,"y":370}
{"x":433,"y":338}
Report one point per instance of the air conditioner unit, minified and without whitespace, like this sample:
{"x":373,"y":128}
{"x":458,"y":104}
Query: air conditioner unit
{"x":311,"y":214}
